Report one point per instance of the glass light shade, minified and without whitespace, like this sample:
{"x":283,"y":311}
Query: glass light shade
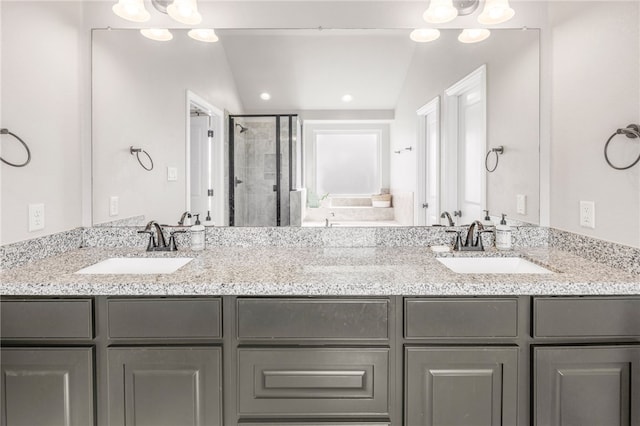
{"x":474,"y":35}
{"x":185,"y":11}
{"x":157,"y":34}
{"x":496,"y":12}
{"x":203,"y":34}
{"x":265,"y":96}
{"x":440,"y":11}
{"x":424,"y":35}
{"x":347,"y":98}
{"x":131,"y":10}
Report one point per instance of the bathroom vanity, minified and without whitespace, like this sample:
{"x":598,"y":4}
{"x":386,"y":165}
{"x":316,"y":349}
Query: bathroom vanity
{"x":360,"y":336}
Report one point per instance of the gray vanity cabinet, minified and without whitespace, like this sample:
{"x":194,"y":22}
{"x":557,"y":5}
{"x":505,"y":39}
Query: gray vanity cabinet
{"x":461,"y":386}
{"x":164,"y":386}
{"x":580,"y":385}
{"x":47,"y":386}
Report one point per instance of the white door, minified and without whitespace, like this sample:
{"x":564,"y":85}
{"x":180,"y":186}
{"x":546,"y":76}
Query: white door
{"x":201,"y":161}
{"x":428,"y":199}
{"x":465,"y":175}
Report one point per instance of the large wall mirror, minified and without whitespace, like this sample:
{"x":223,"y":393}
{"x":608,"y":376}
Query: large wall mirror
{"x":356,"y":120}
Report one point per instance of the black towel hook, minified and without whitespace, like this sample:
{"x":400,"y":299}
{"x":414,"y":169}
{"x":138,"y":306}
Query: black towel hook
{"x":632,"y":131}
{"x":26,"y":147}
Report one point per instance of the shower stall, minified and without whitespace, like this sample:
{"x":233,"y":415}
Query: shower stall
{"x":265,"y":153}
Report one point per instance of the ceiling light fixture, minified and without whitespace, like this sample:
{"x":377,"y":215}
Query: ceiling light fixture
{"x":185,"y":11}
{"x":496,"y":12}
{"x":157,"y":34}
{"x":347,"y":98}
{"x":131,"y":10}
{"x":203,"y":34}
{"x":424,"y":35}
{"x":440,"y":11}
{"x":474,"y":35}
{"x":265,"y":96}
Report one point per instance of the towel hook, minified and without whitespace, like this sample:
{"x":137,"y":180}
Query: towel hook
{"x":632,"y":131}
{"x":137,"y":152}
{"x":26,"y":147}
{"x":498,"y":150}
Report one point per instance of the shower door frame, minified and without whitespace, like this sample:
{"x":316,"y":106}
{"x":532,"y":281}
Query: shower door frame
{"x":232,"y":187}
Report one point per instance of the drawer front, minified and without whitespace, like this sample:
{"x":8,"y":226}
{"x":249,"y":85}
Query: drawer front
{"x":313,"y":382}
{"x":164,"y":318}
{"x":304,"y":319}
{"x":460,"y":318}
{"x":586,"y":317}
{"x":46,"y":319}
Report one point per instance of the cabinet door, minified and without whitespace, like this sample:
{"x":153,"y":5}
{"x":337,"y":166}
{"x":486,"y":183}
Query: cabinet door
{"x":165,"y":386}
{"x":47,"y":386}
{"x":461,"y":386}
{"x":587,"y":385}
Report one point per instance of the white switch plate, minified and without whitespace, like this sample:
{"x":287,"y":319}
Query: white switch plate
{"x":588,"y":214}
{"x":521,"y":204}
{"x":172,"y":174}
{"x":114,"y":206}
{"x":36,"y":217}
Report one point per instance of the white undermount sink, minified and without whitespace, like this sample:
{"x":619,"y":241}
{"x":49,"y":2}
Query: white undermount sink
{"x":492,"y":265}
{"x":137,"y":265}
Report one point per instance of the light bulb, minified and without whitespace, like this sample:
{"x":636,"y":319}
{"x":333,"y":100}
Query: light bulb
{"x":424,"y":35}
{"x":265,"y":96}
{"x":474,"y":35}
{"x":185,"y":11}
{"x":203,"y":34}
{"x":496,"y":12}
{"x":131,"y":10}
{"x":440,"y":11}
{"x":347,"y":98}
{"x":157,"y":34}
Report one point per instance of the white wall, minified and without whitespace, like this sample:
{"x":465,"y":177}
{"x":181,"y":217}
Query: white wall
{"x":512,"y":59}
{"x":596,"y":89}
{"x":41,"y":102}
{"x":139,"y":99}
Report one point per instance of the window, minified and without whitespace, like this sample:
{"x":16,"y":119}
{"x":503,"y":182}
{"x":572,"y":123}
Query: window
{"x":348,"y":163}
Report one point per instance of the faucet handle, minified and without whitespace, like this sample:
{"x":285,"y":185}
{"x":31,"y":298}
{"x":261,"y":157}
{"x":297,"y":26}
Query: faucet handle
{"x":457,"y":245}
{"x":172,"y":239}
{"x":152,"y":239}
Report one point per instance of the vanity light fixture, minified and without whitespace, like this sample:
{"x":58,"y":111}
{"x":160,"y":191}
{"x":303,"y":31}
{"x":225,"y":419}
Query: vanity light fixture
{"x":185,"y":11}
{"x":206,"y":35}
{"x":131,"y":10}
{"x":265,"y":96}
{"x":424,"y":35}
{"x":474,"y":35}
{"x":440,"y":11}
{"x":157,"y":34}
{"x":347,"y":98}
{"x":496,"y":12}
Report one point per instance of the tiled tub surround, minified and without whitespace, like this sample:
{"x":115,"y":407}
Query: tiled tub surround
{"x":315,"y":271}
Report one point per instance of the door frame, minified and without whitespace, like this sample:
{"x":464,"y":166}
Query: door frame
{"x":449,"y":146}
{"x":216,"y":174}
{"x":422,"y":151}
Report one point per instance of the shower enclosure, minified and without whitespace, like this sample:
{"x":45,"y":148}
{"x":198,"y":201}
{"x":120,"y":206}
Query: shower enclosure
{"x":264,"y":163}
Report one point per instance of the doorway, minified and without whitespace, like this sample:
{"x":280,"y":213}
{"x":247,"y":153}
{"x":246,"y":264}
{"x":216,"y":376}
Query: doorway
{"x":428,"y":152}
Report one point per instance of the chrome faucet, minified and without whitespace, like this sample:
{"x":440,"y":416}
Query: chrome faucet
{"x":448,"y":216}
{"x":159,"y":243}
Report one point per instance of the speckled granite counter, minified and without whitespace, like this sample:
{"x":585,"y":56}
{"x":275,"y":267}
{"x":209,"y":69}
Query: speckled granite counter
{"x":315,"y":271}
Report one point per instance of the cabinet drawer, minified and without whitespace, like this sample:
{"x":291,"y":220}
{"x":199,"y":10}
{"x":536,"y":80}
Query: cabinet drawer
{"x":300,"y":319}
{"x":46,"y":319}
{"x":313,"y":382}
{"x":460,"y":317}
{"x":197,"y":318}
{"x":586,"y":317}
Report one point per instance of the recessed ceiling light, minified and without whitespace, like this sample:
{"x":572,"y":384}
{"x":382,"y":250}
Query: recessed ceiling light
{"x":265,"y":96}
{"x":347,"y":98}
{"x":424,"y":35}
{"x":203,"y":34}
{"x":157,"y":34}
{"x":474,"y":35}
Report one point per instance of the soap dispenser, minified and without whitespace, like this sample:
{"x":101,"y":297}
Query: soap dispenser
{"x":487,"y":219}
{"x":197,"y":235}
{"x":503,"y":235}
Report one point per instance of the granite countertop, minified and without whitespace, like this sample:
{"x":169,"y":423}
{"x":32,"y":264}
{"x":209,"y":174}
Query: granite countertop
{"x":316,"y":271}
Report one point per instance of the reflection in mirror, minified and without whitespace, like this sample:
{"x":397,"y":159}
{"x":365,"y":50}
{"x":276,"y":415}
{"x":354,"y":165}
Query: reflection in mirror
{"x":409,"y":112}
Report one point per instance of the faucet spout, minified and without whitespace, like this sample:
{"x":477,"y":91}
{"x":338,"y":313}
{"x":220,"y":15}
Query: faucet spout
{"x":472,"y":230}
{"x":155,"y":226}
{"x":448,"y":216}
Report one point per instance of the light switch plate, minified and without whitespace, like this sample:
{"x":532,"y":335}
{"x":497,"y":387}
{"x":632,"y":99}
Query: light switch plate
{"x":521,"y":204}
{"x":36,"y":217}
{"x":114,"y":206}
{"x":172,"y":174}
{"x":588,"y":214}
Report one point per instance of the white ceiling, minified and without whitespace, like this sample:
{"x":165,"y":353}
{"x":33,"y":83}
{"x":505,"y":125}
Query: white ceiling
{"x":313,"y":69}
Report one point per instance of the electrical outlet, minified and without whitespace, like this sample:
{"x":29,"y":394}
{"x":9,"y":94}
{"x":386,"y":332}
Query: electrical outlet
{"x":521,"y":204}
{"x":588,"y":214}
{"x":36,"y":217}
{"x":114,"y":206}
{"x":172,"y":174}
